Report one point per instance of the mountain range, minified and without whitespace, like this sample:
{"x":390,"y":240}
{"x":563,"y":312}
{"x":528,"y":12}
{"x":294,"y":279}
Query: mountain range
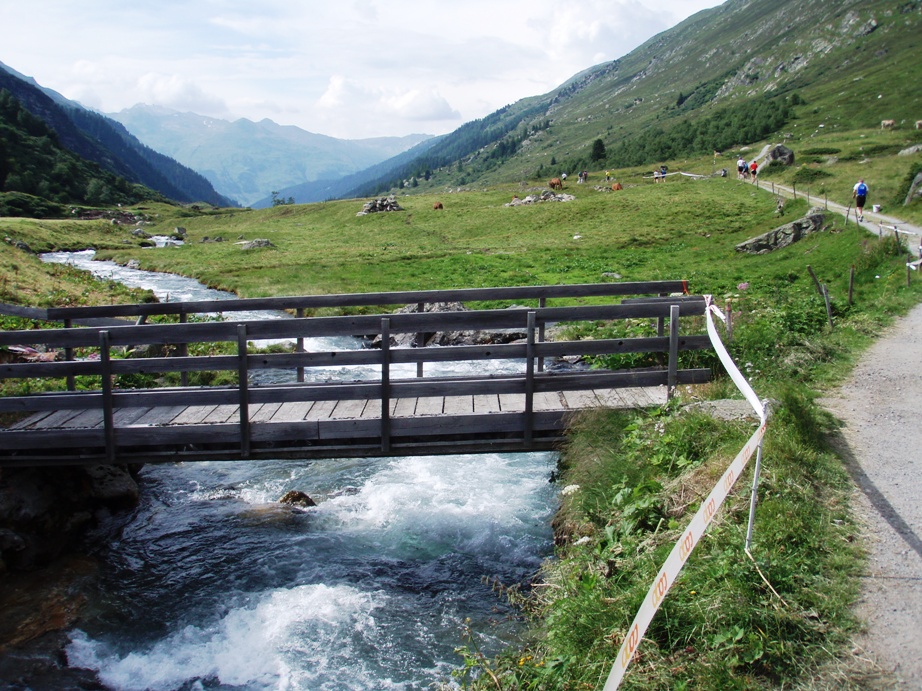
{"x":248,"y":160}
{"x":108,"y":144}
{"x":721,"y":79}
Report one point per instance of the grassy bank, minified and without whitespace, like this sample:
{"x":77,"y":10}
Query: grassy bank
{"x":634,"y":478}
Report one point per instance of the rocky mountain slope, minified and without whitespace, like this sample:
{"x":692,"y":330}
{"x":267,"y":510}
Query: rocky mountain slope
{"x":248,"y":160}
{"x":852,"y":63}
{"x":108,"y":144}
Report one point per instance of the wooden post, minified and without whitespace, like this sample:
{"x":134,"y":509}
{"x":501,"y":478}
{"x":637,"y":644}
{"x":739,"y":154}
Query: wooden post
{"x":851,"y":284}
{"x":183,"y":351}
{"x":386,"y":385}
{"x":108,"y":404}
{"x":828,"y":306}
{"x":848,"y":212}
{"x":542,"y":303}
{"x":69,"y":356}
{"x":794,"y":187}
{"x":420,"y":308}
{"x":299,"y":345}
{"x":671,"y":376}
{"x":530,"y":379}
{"x":729,"y":321}
{"x":816,"y":282}
{"x":243,"y":388}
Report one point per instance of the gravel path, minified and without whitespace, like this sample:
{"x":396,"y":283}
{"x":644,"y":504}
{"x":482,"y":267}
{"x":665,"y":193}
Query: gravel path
{"x":881,"y":442}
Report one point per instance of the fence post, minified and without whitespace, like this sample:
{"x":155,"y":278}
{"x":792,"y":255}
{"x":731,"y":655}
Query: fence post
{"x":542,"y":302}
{"x":183,"y":351}
{"x":828,"y":306}
{"x":299,"y":345}
{"x":108,"y":405}
{"x":420,"y":308}
{"x":69,"y":356}
{"x":243,"y":388}
{"x":671,"y":376}
{"x":851,"y":283}
{"x":385,"y":385}
{"x":530,"y":379}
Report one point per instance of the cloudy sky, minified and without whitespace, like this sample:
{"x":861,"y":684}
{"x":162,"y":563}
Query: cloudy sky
{"x":346,"y":68}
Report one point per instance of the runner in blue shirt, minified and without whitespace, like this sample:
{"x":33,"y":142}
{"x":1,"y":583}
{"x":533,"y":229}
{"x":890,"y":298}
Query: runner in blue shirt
{"x":860,"y":195}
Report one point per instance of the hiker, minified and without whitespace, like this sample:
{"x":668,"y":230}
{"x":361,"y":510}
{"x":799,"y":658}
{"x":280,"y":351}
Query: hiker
{"x":754,"y":169}
{"x":741,"y":168}
{"x":860,"y":195}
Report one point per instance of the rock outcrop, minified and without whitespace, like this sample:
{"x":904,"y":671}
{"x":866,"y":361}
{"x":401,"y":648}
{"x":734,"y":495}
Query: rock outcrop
{"x":785,"y":235}
{"x":45,"y":511}
{"x":383,"y":204}
{"x":450,"y":338}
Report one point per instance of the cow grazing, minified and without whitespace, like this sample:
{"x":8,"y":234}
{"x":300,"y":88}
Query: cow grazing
{"x":617,"y":186}
{"x":887,"y":124}
{"x":555,"y":184}
{"x":919,"y":124}
{"x":437,"y":206}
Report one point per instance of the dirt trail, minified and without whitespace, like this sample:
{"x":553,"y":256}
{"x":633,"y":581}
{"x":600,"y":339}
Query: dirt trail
{"x":881,"y":442}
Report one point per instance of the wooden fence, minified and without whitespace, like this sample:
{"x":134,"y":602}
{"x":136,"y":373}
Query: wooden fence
{"x":103,"y":422}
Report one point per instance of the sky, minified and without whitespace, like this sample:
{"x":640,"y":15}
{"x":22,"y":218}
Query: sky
{"x":350,"y":69}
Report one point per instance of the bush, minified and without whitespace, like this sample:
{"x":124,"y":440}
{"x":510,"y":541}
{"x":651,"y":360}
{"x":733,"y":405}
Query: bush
{"x":27,"y":206}
{"x":807,"y":176}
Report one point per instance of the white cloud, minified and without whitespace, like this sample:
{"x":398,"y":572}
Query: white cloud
{"x":350,"y":69}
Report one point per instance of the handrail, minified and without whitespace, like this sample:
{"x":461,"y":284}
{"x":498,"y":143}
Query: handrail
{"x":344,"y":300}
{"x":525,"y":324}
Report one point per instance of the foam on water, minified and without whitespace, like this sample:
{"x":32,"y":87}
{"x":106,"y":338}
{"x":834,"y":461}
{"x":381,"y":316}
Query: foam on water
{"x":216,"y":585}
{"x":303,"y":637}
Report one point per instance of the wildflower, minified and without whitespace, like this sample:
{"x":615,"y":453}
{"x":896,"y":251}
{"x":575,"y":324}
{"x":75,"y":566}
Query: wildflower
{"x":569,"y":489}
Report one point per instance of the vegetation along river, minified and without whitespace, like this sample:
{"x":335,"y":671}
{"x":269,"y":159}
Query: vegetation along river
{"x":213,"y":584}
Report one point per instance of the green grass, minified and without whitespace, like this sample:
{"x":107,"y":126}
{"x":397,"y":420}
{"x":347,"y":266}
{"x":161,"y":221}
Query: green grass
{"x":640,"y":475}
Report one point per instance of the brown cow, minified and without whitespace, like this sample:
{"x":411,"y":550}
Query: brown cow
{"x":437,"y":206}
{"x":887,"y":124}
{"x":617,"y":186}
{"x":555,"y":184}
{"x":919,"y":124}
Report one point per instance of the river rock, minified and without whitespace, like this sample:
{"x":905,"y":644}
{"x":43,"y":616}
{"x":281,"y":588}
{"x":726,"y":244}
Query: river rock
{"x":450,"y":338}
{"x":297,"y":498}
{"x":785,"y":235}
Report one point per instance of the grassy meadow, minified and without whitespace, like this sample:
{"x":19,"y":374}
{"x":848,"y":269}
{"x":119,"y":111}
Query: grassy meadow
{"x":639,"y":476}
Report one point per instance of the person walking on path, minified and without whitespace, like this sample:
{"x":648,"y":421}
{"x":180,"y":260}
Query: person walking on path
{"x":754,"y":170}
{"x":860,"y":195}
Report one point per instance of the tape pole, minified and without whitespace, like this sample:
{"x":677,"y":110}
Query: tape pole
{"x":689,"y":539}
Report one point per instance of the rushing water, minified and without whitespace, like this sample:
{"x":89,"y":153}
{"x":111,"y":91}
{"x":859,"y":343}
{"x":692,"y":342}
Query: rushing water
{"x":215,"y":585}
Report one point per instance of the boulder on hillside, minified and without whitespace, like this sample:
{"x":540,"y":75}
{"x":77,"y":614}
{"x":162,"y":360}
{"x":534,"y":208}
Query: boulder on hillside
{"x":785,"y":235}
{"x":783,"y":154}
{"x":915,"y":190}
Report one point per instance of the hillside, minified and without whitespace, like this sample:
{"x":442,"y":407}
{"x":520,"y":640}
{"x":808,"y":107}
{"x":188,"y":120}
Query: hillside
{"x":108,"y":144}
{"x":248,"y":160}
{"x":838,"y":64}
{"x":40,"y":177}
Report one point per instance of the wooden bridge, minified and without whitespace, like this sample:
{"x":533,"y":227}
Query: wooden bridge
{"x":95,"y":401}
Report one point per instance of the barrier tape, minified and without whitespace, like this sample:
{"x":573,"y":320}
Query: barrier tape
{"x":699,"y":522}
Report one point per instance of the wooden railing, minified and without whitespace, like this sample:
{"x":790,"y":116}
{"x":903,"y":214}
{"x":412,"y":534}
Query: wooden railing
{"x":113,"y":442}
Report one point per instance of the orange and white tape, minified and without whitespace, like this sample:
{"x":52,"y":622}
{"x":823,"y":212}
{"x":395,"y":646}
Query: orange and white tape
{"x":699,"y":522}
